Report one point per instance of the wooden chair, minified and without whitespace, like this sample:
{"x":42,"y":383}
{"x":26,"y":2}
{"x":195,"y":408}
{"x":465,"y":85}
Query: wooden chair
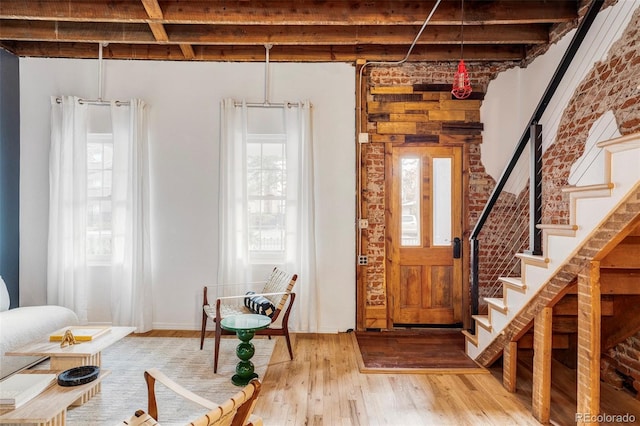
{"x":236,"y":411}
{"x":277,"y":289}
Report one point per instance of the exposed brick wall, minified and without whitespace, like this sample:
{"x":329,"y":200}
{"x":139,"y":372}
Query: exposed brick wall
{"x":620,"y":366}
{"x":612,"y":84}
{"x":373,"y":197}
{"x":407,"y":110}
{"x":436,"y":73}
{"x":504,"y":234}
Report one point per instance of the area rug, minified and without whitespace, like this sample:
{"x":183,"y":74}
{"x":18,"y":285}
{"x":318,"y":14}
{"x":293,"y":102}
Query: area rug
{"x":432,"y":351}
{"x":124,"y":391}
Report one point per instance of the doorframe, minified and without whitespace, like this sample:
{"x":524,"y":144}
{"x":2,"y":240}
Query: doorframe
{"x":376,"y":317}
{"x":466,"y":229}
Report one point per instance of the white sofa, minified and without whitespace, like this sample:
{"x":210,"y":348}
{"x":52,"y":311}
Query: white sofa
{"x":20,"y":326}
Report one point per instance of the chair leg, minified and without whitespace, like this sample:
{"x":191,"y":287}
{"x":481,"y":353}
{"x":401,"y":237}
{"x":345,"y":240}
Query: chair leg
{"x":216,"y":349}
{"x":286,"y":336}
{"x":203,"y":330}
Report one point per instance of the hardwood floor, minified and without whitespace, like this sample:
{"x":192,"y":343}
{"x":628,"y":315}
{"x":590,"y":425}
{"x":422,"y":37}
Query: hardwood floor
{"x":323,"y":386}
{"x":563,"y":392}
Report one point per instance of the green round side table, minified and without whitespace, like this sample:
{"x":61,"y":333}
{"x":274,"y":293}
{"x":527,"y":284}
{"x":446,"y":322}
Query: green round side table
{"x":245,"y":326}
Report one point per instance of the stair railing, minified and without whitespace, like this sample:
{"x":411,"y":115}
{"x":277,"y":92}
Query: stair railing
{"x":521,"y":214}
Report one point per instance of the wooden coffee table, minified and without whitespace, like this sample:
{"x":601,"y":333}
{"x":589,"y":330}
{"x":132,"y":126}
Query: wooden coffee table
{"x":85,"y":353}
{"x":50,"y":407}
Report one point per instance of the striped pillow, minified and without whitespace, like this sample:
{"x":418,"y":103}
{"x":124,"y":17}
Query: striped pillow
{"x":259,"y":304}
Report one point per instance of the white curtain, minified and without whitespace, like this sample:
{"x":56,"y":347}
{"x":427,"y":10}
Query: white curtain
{"x":233,"y":267}
{"x":300,"y":252}
{"x":301,"y":239}
{"x":131,"y":292}
{"x":67,"y":275}
{"x":66,"y":261}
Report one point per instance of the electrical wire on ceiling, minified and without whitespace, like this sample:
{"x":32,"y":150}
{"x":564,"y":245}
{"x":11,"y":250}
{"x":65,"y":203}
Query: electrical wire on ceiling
{"x":359,"y":114}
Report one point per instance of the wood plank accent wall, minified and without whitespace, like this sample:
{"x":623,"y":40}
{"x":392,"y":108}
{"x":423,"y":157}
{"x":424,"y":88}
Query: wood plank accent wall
{"x":416,"y":114}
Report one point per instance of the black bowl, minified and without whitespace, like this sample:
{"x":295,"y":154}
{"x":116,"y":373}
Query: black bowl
{"x":78,"y":375}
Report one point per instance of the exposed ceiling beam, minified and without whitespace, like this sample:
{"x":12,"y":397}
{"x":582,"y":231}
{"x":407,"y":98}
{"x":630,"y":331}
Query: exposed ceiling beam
{"x":152,"y":7}
{"x":276,"y":54}
{"x":260,"y":35}
{"x":294,"y":12}
{"x":299,"y":30}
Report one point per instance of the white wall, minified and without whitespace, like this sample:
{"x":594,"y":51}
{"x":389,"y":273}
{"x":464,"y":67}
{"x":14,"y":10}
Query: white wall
{"x":184,"y":100}
{"x":513,"y":96}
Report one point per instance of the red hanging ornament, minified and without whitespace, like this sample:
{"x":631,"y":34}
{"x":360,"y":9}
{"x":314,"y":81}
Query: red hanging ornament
{"x":461,"y":85}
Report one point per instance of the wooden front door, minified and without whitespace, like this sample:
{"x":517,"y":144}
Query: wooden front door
{"x":424,"y":227}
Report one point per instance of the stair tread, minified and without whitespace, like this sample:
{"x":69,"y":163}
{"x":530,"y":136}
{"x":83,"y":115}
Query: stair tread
{"x":622,"y":143}
{"x":470,"y":337}
{"x":513,"y":281}
{"x":483,"y":321}
{"x":585,"y":188}
{"x":534,"y":259}
{"x":497,"y":302}
{"x":556,"y":226}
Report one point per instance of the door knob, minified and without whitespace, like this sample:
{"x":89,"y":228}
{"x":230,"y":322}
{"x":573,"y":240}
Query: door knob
{"x":457,"y":248}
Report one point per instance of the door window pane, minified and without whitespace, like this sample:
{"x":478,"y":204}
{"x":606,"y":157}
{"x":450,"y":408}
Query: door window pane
{"x":441,"y":201}
{"x":410,"y":178}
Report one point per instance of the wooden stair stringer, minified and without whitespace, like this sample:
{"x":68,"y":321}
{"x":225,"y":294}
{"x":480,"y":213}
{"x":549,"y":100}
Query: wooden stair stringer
{"x":543,"y":277}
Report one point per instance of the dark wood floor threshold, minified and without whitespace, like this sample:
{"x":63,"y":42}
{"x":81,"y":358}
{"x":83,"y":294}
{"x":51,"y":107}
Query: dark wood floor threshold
{"x":414,"y":351}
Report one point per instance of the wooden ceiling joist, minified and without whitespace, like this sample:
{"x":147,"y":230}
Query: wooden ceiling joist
{"x":263,"y":34}
{"x":276,"y":54}
{"x":294,"y":12}
{"x":299,"y":30}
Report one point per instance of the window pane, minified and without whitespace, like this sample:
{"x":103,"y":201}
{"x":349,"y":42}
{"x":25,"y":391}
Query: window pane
{"x":106,"y":183}
{"x":94,"y":183}
{"x":93,"y":215}
{"x":99,"y":182}
{"x":441,"y":201}
{"x":273,"y":156}
{"x":266,"y":179}
{"x":272,"y":183}
{"x":410,"y":177}
{"x":266,"y":220}
{"x":254,"y":156}
{"x":108,"y":155}
{"x":105,"y":214}
{"x":94,"y":156}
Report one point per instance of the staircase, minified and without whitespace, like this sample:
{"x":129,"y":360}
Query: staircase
{"x":565,"y":247}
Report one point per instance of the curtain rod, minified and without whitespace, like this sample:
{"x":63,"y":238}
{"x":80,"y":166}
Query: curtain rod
{"x":96,"y":102}
{"x":267,"y":104}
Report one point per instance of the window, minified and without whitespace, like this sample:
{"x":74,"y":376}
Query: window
{"x":266,"y":195}
{"x":266,"y":185}
{"x":411,"y":177}
{"x":99,"y":178}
